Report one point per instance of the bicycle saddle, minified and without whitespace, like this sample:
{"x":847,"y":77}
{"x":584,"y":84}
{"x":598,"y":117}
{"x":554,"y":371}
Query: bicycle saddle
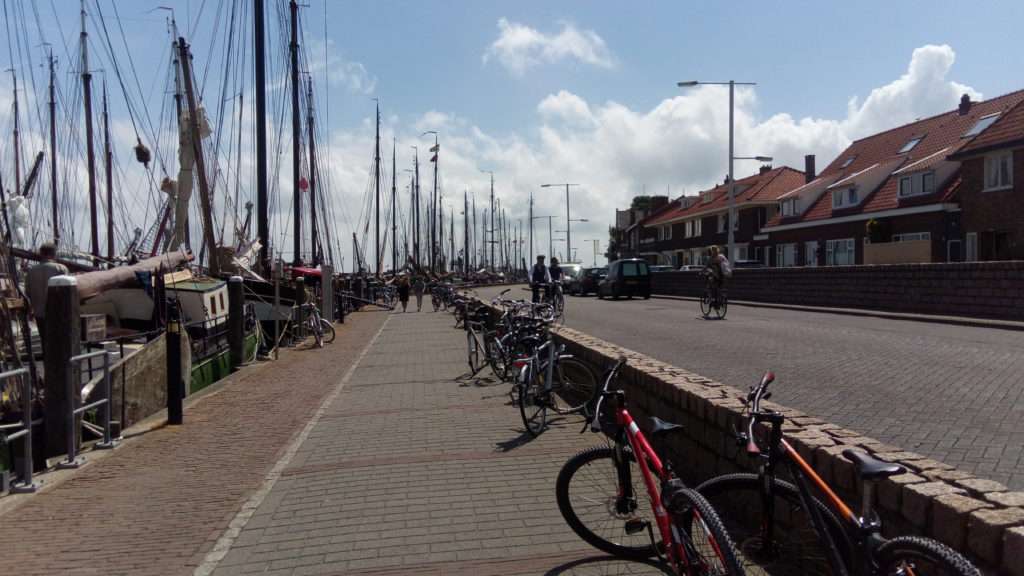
{"x":660,"y":427}
{"x":871,"y":468}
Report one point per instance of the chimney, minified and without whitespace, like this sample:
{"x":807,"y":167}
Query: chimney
{"x":765,"y":168}
{"x":965,"y":104}
{"x":809,"y":174}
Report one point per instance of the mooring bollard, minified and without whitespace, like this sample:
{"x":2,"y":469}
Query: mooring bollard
{"x":300,"y":299}
{"x":327,"y":293}
{"x":236,"y":321}
{"x":62,"y":343}
{"x":175,"y":383}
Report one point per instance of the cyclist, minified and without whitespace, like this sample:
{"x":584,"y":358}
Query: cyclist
{"x":555,"y":271}
{"x":718,"y":270}
{"x":539,"y":275}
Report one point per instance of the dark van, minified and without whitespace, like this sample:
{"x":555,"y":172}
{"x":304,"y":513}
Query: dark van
{"x":626,"y":278}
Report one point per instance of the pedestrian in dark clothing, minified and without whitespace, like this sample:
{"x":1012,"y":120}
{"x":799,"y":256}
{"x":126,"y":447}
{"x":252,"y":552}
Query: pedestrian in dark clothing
{"x":539,"y":276}
{"x":403,"y":291}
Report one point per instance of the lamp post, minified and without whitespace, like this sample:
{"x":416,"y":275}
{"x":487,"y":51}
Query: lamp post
{"x":551,"y":244}
{"x":732,"y":180}
{"x":568,"y":218}
{"x":597,"y":244}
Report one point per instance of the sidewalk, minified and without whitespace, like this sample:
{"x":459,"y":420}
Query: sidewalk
{"x":158,"y":503}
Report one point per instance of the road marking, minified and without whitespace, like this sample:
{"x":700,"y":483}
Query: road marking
{"x":237,"y":524}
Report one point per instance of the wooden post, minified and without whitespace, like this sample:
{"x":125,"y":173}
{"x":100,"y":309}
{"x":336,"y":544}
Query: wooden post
{"x":327,"y":293}
{"x":61,"y":344}
{"x":175,"y":382}
{"x":236,"y":321}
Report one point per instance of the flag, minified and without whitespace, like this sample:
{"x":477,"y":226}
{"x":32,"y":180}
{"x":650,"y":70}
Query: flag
{"x":435,"y":147}
{"x":433,"y":158}
{"x":303,"y":184}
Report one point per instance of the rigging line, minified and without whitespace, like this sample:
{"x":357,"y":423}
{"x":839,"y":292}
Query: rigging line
{"x":213,"y":47}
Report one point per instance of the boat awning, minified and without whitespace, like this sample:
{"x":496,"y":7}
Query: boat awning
{"x":298,"y":271}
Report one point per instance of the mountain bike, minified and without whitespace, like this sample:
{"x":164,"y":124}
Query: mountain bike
{"x":597,"y":496}
{"x":322,"y":330}
{"x":780,"y":527}
{"x":714,"y":299}
{"x":551,"y":380}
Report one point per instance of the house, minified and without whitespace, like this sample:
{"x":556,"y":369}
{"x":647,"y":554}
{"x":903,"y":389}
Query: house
{"x":992,"y":188}
{"x":683,"y":233}
{"x":895,"y":197}
{"x":627,"y":230}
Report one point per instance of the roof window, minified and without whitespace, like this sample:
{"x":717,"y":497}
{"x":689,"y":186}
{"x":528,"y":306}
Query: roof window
{"x":849,"y":161}
{"x":982,"y":123}
{"x":910,"y":144}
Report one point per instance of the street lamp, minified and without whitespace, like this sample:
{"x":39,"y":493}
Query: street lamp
{"x":732,"y":180}
{"x":568,"y":219}
{"x":597,"y":243}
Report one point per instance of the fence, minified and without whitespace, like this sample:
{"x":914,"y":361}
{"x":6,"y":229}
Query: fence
{"x":22,"y":430}
{"x":73,"y":460}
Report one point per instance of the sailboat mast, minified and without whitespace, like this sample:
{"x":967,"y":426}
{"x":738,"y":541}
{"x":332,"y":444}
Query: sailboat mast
{"x":89,"y":152}
{"x":17,"y":137}
{"x":475,"y":257}
{"x":296,"y":135}
{"x":451,"y":237}
{"x":376,"y":179}
{"x":465,"y":231}
{"x":492,"y":223}
{"x":416,"y":204}
{"x":108,"y":159}
{"x":312,"y":176}
{"x":260,"y":81}
{"x":53,"y":156}
{"x":394,"y":205}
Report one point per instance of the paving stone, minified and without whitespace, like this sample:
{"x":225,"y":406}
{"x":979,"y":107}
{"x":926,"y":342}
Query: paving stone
{"x":1006,"y":499}
{"x":1013,"y":552}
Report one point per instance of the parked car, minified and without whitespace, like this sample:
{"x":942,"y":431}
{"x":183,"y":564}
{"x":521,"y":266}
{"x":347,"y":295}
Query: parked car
{"x":691,"y":268}
{"x":631,"y":277}
{"x":660,"y":268}
{"x":569,"y":274}
{"x":587,"y":281}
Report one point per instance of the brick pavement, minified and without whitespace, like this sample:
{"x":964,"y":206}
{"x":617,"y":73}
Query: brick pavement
{"x":950,"y":392}
{"x":412,"y":468}
{"x":159,"y":503}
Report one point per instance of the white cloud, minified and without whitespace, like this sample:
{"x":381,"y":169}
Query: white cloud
{"x":520,"y":47}
{"x":339,"y":70}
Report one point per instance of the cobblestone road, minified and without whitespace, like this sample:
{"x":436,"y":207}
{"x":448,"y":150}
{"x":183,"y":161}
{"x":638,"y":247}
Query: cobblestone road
{"x":954,"y":393}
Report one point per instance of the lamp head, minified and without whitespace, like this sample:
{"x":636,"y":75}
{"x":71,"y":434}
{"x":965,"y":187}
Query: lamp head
{"x":687,"y":83}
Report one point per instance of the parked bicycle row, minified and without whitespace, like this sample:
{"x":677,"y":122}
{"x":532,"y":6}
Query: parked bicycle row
{"x":625,"y":498}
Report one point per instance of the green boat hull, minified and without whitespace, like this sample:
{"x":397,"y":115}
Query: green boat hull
{"x":217,"y":366}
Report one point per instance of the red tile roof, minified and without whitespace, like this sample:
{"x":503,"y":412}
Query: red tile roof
{"x":762,"y":188}
{"x":944,"y":131}
{"x":1008,"y":130}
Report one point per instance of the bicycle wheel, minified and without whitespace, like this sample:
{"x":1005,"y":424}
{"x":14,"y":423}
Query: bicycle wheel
{"x":318,"y":335}
{"x":473,"y":352}
{"x":573,"y":386}
{"x":495,"y":357}
{"x":707,"y":544}
{"x":723,"y":305}
{"x":705,"y":304}
{"x":922,"y":557}
{"x":328,"y":331}
{"x":533,"y":406}
{"x":796,"y":548}
{"x":593,"y":498}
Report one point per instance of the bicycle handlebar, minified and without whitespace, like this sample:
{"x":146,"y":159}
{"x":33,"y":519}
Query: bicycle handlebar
{"x":757,"y":393}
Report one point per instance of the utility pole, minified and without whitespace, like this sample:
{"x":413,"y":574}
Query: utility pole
{"x":90,"y":154}
{"x":568,"y":218}
{"x":54,"y":207}
{"x":108,"y":159}
{"x":394,"y":205}
{"x":197,"y":144}
{"x":311,"y":129}
{"x":260,"y":85}
{"x":491,"y":229}
{"x":531,"y":228}
{"x":293,"y":48}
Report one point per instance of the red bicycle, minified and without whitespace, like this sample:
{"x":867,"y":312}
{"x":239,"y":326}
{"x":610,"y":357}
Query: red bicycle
{"x":598,"y":499}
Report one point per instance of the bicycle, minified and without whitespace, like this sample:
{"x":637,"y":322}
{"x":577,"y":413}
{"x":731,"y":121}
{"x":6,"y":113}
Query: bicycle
{"x":322,"y":330}
{"x":782,"y":528}
{"x":551,"y":380}
{"x":714,"y":299}
{"x":693,"y":539}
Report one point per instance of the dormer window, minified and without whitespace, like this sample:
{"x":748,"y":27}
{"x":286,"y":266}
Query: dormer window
{"x":982,"y":123}
{"x":910,"y":144}
{"x":788,"y":207}
{"x":849,"y":161}
{"x":706,"y":197}
{"x":917,"y":184}
{"x":845,"y":197}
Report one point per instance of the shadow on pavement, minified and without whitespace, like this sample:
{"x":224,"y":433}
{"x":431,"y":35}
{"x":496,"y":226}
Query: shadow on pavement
{"x":607,"y":566}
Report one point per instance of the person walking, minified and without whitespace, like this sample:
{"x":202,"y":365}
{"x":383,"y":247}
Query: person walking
{"x":403,"y":291}
{"x":418,"y":287}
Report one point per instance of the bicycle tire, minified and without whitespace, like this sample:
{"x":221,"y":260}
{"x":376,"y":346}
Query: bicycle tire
{"x":798,"y":550}
{"x":573,"y":387}
{"x":588,"y":495}
{"x":532,"y":409}
{"x":317,"y":331}
{"x":328,"y":331}
{"x":707,"y":543}
{"x":495,"y":357}
{"x":473,"y":352}
{"x":705,"y":305}
{"x":924,"y":556}
{"x":723,"y":305}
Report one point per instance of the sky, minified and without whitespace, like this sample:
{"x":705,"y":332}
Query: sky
{"x":585,"y":92}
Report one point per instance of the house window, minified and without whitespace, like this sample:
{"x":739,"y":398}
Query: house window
{"x":917,"y":184}
{"x":971,"y":247}
{"x":696,"y":227}
{"x":213,"y":306}
{"x":840,"y":252}
{"x":811,"y":253}
{"x":668,"y":232}
{"x":742,"y":251}
{"x":789,"y":207}
{"x":910,"y":145}
{"x":999,"y":170}
{"x":981,"y":124}
{"x":844,"y":198}
{"x":911,"y":236}
{"x":785,"y":255}
{"x":221,"y":298}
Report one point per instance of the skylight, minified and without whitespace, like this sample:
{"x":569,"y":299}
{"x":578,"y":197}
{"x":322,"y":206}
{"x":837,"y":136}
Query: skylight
{"x":982,"y":123}
{"x":849,"y":161}
{"x":910,"y":144}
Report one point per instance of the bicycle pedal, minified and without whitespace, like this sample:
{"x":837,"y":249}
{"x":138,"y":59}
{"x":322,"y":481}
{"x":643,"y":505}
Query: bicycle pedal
{"x":636,"y":525}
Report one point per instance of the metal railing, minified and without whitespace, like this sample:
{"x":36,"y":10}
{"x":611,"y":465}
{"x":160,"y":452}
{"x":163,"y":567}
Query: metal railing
{"x":73,"y":460}
{"x":21,"y":429}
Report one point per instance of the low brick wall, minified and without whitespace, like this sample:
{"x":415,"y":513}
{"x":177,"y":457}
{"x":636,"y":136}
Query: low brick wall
{"x":978,"y":517}
{"x":975,"y":289}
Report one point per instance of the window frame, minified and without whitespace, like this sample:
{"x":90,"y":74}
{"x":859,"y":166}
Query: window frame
{"x":850,"y":247}
{"x":844,"y":195}
{"x":916,"y":179}
{"x":971,"y":247}
{"x":911,"y":236}
{"x":911,"y":144}
{"x":994,"y":161}
{"x":980,"y":125}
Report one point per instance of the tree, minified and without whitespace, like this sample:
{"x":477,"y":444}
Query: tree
{"x":614,"y":245}
{"x":640,"y":203}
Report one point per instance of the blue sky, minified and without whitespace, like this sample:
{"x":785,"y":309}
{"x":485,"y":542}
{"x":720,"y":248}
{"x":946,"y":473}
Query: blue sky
{"x":583,"y":91}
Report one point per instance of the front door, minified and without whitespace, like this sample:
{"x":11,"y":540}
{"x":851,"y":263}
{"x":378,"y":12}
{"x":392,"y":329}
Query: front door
{"x":811,"y":253}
